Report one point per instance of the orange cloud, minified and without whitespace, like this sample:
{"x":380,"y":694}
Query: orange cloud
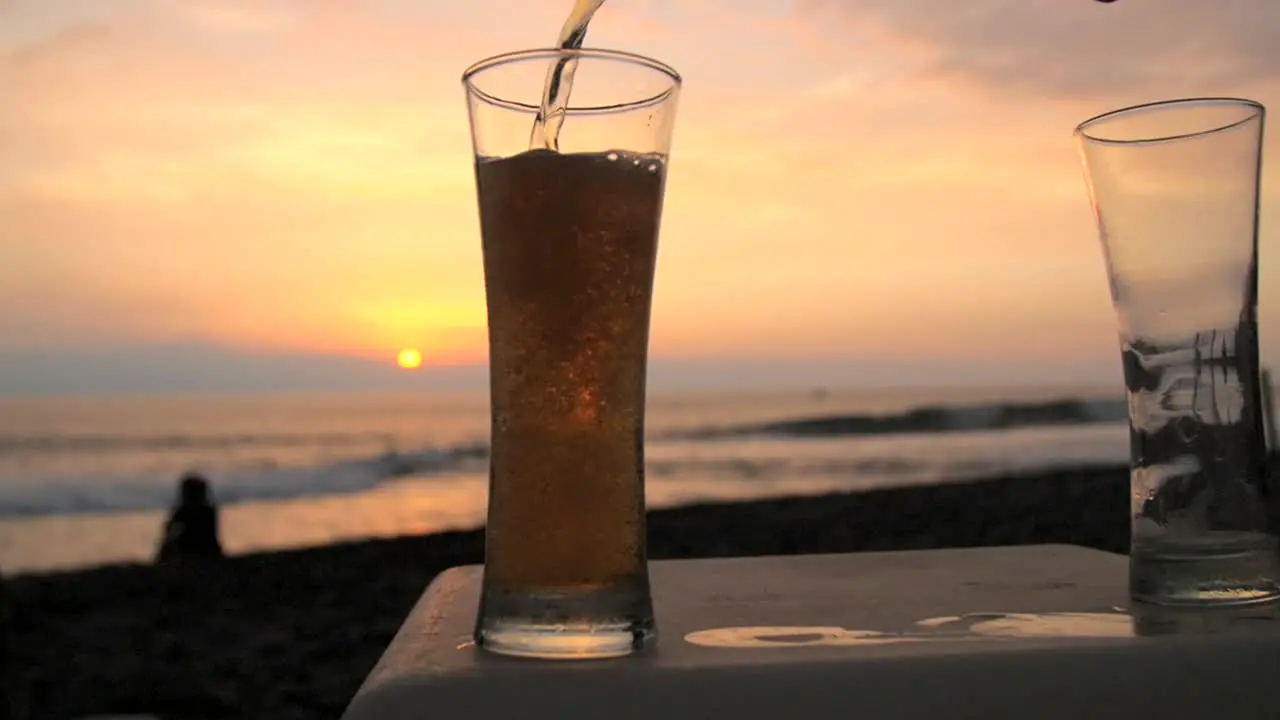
{"x":1070,"y":48}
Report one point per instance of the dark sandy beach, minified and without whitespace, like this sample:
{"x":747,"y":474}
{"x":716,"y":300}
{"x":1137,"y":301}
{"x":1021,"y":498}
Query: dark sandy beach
{"x":292,"y":634}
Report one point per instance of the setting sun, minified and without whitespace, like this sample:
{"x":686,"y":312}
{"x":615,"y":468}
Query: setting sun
{"x":409,"y":359}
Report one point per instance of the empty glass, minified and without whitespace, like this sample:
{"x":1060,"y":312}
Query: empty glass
{"x":1174,"y":188}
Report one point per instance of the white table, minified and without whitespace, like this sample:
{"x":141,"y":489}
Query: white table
{"x":1039,"y":632}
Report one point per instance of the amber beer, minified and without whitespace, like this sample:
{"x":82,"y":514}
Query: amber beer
{"x":569,"y":244}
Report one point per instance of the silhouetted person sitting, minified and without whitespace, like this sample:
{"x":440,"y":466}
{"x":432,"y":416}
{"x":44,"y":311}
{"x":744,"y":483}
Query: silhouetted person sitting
{"x":192,"y":528}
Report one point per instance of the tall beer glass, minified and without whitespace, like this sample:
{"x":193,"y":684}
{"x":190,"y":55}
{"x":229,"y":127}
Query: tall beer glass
{"x":1174,"y":187}
{"x":569,"y":243}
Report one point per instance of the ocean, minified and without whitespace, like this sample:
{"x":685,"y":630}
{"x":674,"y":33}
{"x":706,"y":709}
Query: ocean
{"x":87,"y":481}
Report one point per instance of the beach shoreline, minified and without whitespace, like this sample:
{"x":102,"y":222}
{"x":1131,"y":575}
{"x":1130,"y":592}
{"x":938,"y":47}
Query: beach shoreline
{"x":292,"y":634}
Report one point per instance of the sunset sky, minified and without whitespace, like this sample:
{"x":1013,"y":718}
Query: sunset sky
{"x":855,"y":185}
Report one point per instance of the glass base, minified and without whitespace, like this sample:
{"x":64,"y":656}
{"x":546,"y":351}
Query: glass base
{"x":1206,"y":570}
{"x":570,"y":624}
{"x":561,"y":642}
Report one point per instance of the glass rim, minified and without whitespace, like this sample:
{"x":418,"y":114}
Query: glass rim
{"x":1256,"y":109}
{"x":620,"y":56}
